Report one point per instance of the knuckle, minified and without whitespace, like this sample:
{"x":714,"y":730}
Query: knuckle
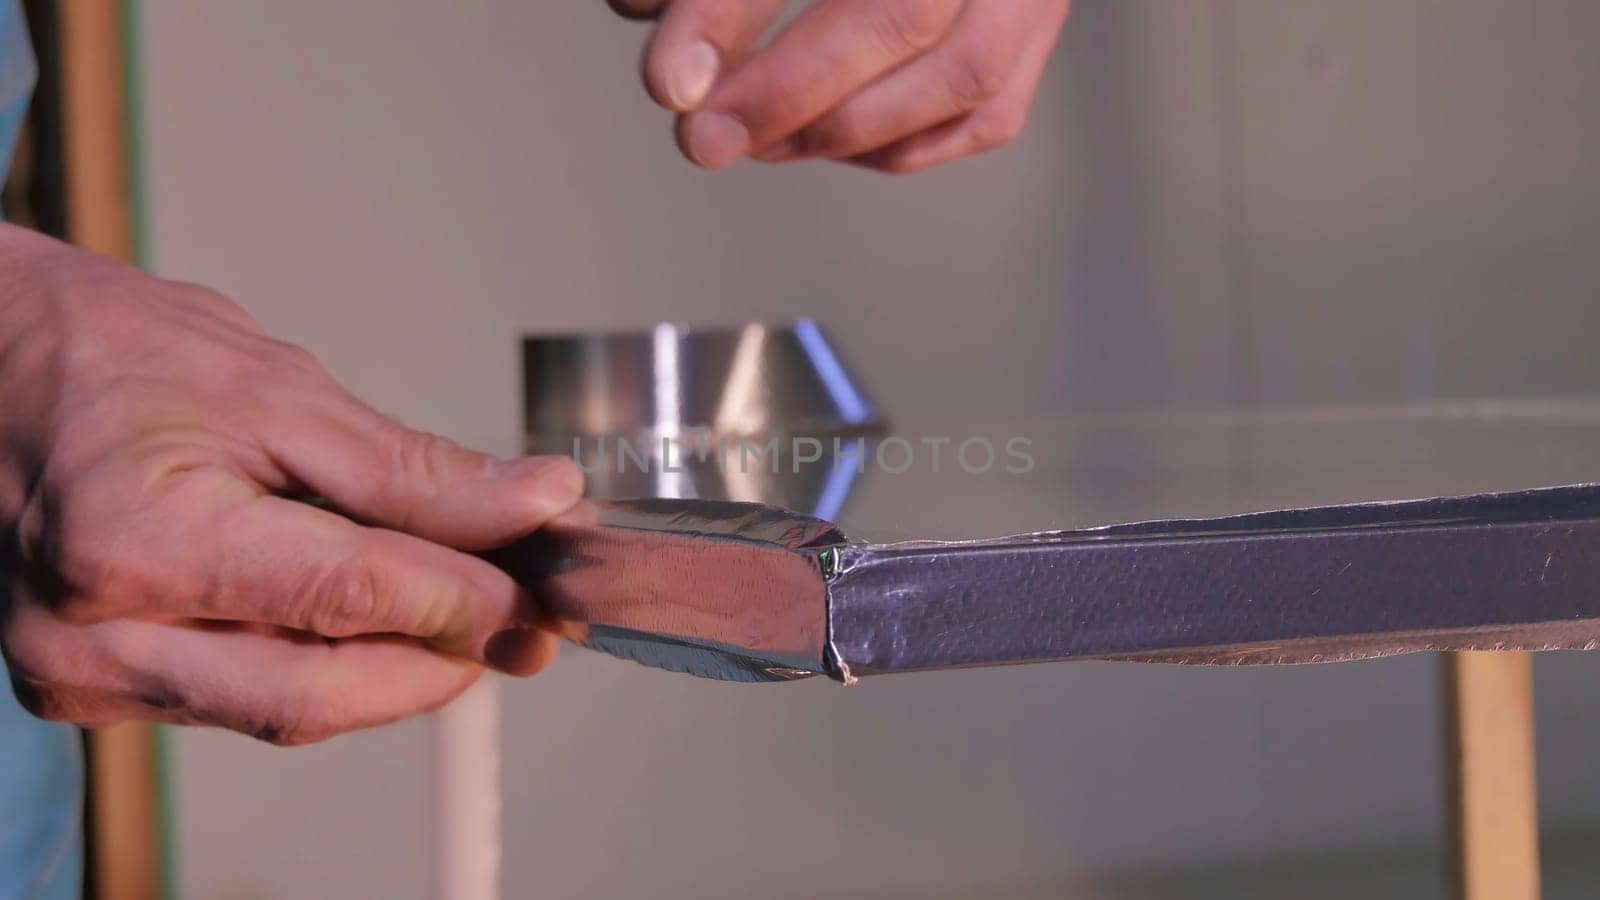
{"x":56,"y":676}
{"x":73,"y":550}
{"x":896,"y":162}
{"x":38,"y":655}
{"x":425,"y":456}
{"x":39,"y":700}
{"x":998,"y":126}
{"x":313,"y":719}
{"x":974,"y":74}
{"x":279,"y":734}
{"x":422,"y":465}
{"x":161,"y":698}
{"x":45,"y":701}
{"x":31,"y":537}
{"x":906,"y":26}
{"x":836,"y":135}
{"x":27,"y":656}
{"x":294,"y":359}
{"x":209,"y":301}
{"x":782,"y":105}
{"x":290,"y":734}
{"x":345,"y":599}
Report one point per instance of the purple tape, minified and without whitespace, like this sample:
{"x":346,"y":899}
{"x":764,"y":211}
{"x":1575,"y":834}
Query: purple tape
{"x":753,"y":592}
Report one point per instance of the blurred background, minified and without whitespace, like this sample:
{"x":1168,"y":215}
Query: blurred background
{"x":1216,"y":203}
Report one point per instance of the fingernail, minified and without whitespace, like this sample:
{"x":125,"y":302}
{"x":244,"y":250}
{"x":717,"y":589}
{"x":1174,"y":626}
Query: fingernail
{"x":715,"y":140}
{"x":512,"y":468}
{"x":554,"y":483}
{"x":687,"y":75}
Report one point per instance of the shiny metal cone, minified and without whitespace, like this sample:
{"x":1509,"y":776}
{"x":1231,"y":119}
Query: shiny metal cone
{"x":714,"y":413}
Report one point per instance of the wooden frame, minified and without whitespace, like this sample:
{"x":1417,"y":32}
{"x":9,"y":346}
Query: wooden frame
{"x":1493,"y":794}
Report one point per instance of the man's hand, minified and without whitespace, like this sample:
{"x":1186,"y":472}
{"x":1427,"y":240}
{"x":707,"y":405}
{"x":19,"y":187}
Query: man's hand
{"x":896,"y":85}
{"x":152,"y":565}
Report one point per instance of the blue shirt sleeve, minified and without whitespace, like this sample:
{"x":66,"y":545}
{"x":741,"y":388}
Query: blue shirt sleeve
{"x":41,"y":805}
{"x":41,"y":763}
{"x":17,"y":74}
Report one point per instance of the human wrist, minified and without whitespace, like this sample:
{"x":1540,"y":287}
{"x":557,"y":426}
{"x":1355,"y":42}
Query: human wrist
{"x":28,"y":342}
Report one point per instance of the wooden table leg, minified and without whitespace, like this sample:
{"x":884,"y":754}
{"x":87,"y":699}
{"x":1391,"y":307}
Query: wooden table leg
{"x":126,"y":840}
{"x":1489,"y":745}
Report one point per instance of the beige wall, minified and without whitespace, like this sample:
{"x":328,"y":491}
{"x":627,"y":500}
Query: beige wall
{"x":1216,"y":202}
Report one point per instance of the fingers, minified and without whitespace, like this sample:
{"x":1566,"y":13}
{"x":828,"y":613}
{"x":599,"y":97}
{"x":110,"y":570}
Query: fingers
{"x":991,"y":125}
{"x":422,"y":484}
{"x":284,"y":563}
{"x":205,"y":544}
{"x":698,"y":40}
{"x":829,"y":52}
{"x":287,"y":690}
{"x":89,"y":708}
{"x":972,"y":66}
{"x":897,"y":85}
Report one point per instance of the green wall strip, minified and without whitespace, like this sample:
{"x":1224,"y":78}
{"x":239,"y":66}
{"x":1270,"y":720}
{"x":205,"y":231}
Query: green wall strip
{"x":138,"y":202}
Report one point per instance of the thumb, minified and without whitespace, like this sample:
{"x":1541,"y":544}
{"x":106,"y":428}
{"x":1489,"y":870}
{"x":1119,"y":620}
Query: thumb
{"x":696,"y":41}
{"x":377,"y":470}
